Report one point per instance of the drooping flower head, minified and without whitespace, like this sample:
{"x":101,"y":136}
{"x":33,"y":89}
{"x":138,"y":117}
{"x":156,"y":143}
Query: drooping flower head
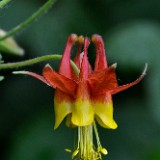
{"x":86,"y":96}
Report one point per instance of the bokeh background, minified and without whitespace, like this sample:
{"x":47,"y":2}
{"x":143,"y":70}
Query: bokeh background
{"x":131,"y":31}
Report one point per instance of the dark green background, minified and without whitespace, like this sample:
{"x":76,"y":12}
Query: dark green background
{"x":131,"y":31}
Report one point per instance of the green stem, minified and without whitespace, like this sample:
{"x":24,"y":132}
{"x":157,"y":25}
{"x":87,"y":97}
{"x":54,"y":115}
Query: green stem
{"x":33,"y":17}
{"x":34,"y":61}
{"x":3,"y":3}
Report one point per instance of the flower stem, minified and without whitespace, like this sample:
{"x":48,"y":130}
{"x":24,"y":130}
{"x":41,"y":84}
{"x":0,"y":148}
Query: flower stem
{"x":3,"y":3}
{"x":33,"y":17}
{"x":34,"y":61}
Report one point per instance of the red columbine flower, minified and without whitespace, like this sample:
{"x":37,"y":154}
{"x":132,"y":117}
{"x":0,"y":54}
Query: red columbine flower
{"x":87,"y":96}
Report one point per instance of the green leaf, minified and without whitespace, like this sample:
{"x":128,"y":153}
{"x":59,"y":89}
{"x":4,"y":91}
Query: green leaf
{"x":10,"y":46}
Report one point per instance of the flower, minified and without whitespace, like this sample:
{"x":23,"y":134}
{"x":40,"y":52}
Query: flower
{"x":86,"y":96}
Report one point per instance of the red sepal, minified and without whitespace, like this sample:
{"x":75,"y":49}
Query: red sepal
{"x":61,"y":82}
{"x":103,"y":81}
{"x":126,"y":86}
{"x":39,"y":77}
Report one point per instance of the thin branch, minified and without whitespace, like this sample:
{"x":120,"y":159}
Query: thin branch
{"x":34,"y":61}
{"x":33,"y":17}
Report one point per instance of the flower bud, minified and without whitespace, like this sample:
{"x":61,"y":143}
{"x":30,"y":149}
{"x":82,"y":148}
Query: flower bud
{"x":10,"y":46}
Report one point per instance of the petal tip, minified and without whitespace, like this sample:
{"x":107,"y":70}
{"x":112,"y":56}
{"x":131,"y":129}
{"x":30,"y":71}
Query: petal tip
{"x":47,"y":66}
{"x":95,"y":38}
{"x":73,"y":37}
{"x":114,"y":126}
{"x":55,"y":127}
{"x":114,"y":65}
{"x":145,"y":69}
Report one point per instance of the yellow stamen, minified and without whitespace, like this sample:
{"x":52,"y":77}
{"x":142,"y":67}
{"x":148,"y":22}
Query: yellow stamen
{"x":85,"y":149}
{"x":104,"y":151}
{"x":68,"y":150}
{"x":75,"y":153}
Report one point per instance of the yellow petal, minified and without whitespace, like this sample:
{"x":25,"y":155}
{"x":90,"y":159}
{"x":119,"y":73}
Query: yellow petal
{"x":61,"y":111}
{"x":104,"y":114}
{"x":82,"y":113}
{"x":69,"y":122}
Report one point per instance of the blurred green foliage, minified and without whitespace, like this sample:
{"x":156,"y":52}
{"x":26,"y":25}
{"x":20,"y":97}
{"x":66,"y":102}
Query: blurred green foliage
{"x":131,"y":30}
{"x":1,"y":77}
